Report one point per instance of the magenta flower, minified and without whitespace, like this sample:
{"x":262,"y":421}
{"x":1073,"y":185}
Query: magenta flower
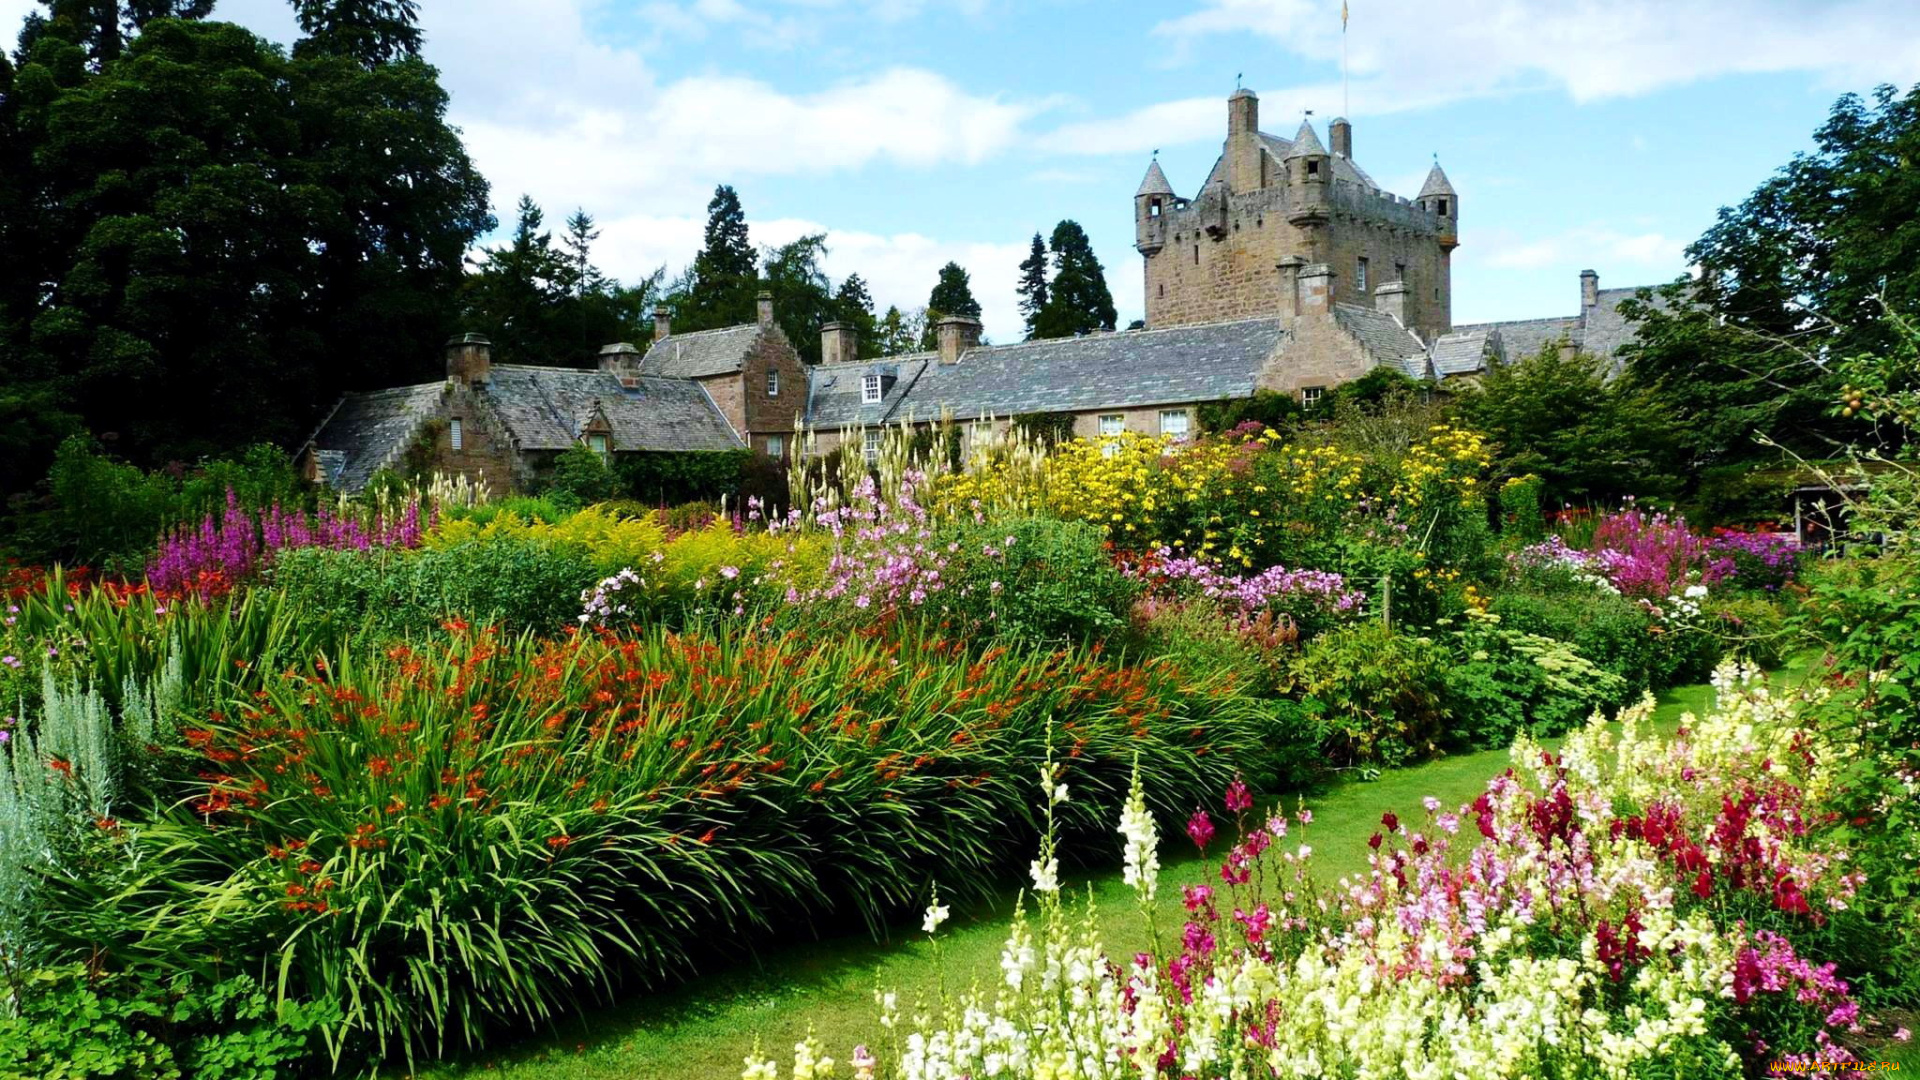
{"x":1239,"y":799}
{"x":1200,"y":829}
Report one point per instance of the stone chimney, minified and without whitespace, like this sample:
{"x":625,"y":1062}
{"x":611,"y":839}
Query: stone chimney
{"x":662,"y":321}
{"x":1341,"y":133}
{"x":622,"y":359}
{"x":470,"y":360}
{"x":1316,"y":289}
{"x":765,"y":303}
{"x":839,"y":343}
{"x":955,"y":334}
{"x":1392,"y":299}
{"x":1243,"y":150}
{"x":1290,"y":286}
{"x":1589,"y":289}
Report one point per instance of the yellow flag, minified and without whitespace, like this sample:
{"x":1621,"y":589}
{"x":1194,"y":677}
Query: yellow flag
{"x":1343,"y":16}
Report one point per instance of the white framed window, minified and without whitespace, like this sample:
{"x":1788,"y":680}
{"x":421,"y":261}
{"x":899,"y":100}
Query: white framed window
{"x":870,"y":389}
{"x":776,"y":446}
{"x":1310,"y":395}
{"x":871,"y":444}
{"x":773,"y":382}
{"x":1173,"y":422}
{"x":598,"y":443}
{"x":455,"y":435}
{"x":1360,"y":274}
{"x":1112,"y":424}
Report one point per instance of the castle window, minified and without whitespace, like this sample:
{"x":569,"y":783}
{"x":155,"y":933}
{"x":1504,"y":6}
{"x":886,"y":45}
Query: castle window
{"x":455,"y":435}
{"x":1196,"y":254}
{"x":1313,"y":169}
{"x":1310,"y":395}
{"x":1163,"y":288}
{"x":1399,"y":271}
{"x":776,"y":446}
{"x":1153,"y":208}
{"x":870,"y":389}
{"x":598,"y":443}
{"x":773,"y":382}
{"x":870,"y":445}
{"x":1443,"y":207}
{"x":1360,"y":274}
{"x":1173,"y":422}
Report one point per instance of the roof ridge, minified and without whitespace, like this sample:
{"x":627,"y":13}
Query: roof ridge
{"x":1145,"y":330}
{"x":710,"y":330}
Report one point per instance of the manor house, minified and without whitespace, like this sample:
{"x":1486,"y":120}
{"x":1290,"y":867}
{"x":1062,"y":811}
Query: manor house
{"x":1289,"y":271}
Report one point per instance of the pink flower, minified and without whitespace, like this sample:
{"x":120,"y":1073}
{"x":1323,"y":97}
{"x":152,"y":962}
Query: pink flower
{"x":1239,"y":799}
{"x":1200,"y":829}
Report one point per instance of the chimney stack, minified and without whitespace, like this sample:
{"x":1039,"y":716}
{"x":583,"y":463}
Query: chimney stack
{"x":1392,"y":299}
{"x":1316,"y":289}
{"x":839,"y":343}
{"x":1290,"y":286}
{"x":662,"y":321}
{"x":622,"y":359}
{"x":765,"y":302}
{"x":955,"y":335}
{"x":470,"y":360}
{"x":1589,"y":289}
{"x":1341,"y":133}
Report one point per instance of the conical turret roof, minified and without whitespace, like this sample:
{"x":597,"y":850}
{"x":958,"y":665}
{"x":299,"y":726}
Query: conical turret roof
{"x":1306,"y":142}
{"x":1155,"y":182}
{"x":1436,"y":183}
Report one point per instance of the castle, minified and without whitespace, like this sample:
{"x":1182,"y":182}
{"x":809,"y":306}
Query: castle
{"x":1290,"y":272}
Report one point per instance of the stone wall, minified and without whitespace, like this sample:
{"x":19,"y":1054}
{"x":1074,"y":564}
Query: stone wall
{"x":486,"y":455}
{"x":1318,"y":353}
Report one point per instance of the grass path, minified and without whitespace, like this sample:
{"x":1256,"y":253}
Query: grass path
{"x":703,"y":1030}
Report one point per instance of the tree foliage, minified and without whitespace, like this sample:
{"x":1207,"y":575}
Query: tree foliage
{"x":1033,"y":283}
{"x":803,"y":299}
{"x":718,"y":289}
{"x":368,"y":32}
{"x":853,"y":305}
{"x":952,"y":295}
{"x":1078,"y":301}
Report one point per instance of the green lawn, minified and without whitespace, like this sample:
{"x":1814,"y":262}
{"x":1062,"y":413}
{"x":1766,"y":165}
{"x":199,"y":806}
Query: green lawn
{"x":703,"y":1030}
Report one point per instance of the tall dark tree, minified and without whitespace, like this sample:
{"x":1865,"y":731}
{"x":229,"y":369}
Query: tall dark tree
{"x":853,"y":305}
{"x":802,"y":294}
{"x":1080,"y":302}
{"x":895,"y":334}
{"x":1033,"y":283}
{"x":275,"y":230}
{"x":368,"y":32}
{"x":514,"y":296}
{"x":952,"y":295}
{"x":719,"y":288}
{"x":103,"y":27}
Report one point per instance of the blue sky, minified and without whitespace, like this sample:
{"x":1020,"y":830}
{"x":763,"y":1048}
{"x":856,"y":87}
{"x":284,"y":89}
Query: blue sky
{"x":1579,"y":134}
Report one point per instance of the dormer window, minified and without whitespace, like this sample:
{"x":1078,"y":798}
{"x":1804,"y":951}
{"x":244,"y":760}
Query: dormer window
{"x":598,"y":443}
{"x":773,"y":382}
{"x":870,"y":389}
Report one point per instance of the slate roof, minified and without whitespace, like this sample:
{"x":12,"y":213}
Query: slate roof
{"x":1155,"y":182}
{"x":1132,"y":369}
{"x":834,"y":397}
{"x":1437,"y":183}
{"x":366,"y":432}
{"x":1464,"y":352}
{"x":1522,"y":338}
{"x":1384,"y":338}
{"x":1599,"y":331}
{"x":1306,"y":142}
{"x":701,"y":353}
{"x":1607,"y":329}
{"x":545,"y":408}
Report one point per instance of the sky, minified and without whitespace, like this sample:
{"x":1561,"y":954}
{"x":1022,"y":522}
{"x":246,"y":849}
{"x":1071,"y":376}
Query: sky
{"x":1578,"y":133}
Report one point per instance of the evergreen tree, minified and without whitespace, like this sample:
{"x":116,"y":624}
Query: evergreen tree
{"x":719,"y":288}
{"x":896,"y":334}
{"x":952,"y":295}
{"x":854,"y":305}
{"x":1033,"y":283}
{"x":1080,"y":302}
{"x":579,"y":276}
{"x":103,"y":27}
{"x":368,"y":32}
{"x":802,"y":296}
{"x":515,"y":294}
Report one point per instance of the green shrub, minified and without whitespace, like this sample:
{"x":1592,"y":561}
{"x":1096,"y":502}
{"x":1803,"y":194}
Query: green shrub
{"x":1383,"y":694}
{"x":70,"y":1024}
{"x":513,"y":583}
{"x":1034,"y":579}
{"x":667,"y":478}
{"x":581,"y":476}
{"x":1608,"y":629}
{"x":1503,"y":682}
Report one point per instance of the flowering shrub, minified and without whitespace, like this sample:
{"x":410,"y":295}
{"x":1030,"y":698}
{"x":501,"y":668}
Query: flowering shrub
{"x":1653,"y":556}
{"x":1305,"y":596}
{"x":213,"y":558}
{"x":610,"y":540}
{"x":1602,"y":923}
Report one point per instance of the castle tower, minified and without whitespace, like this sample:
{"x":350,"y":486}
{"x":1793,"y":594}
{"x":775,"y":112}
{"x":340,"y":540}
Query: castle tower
{"x":1246,"y":158}
{"x":1150,"y":206}
{"x":1438,"y":198}
{"x":1308,"y":167}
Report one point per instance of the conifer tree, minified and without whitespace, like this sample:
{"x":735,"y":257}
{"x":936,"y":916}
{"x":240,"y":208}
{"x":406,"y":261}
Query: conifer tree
{"x":719,"y":288}
{"x":1080,"y":301}
{"x":104,"y":27}
{"x":896,"y":334}
{"x":853,"y":305}
{"x":1033,"y":283}
{"x":368,"y":32}
{"x":952,"y":295}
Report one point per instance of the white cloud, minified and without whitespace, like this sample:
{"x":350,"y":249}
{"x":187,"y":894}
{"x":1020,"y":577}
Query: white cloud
{"x":1425,"y":54}
{"x":1602,"y":247}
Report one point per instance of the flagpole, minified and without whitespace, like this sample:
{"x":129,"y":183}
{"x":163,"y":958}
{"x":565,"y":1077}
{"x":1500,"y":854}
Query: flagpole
{"x":1346,"y":93}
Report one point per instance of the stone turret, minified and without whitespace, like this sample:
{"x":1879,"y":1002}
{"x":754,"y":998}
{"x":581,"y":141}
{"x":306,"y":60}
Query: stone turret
{"x":1150,"y":206}
{"x":1308,"y":170}
{"x":1437,"y":197}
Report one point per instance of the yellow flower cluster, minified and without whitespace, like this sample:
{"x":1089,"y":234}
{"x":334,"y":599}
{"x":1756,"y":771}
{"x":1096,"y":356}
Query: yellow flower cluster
{"x":1325,"y":474}
{"x":1150,"y":492}
{"x":611,"y":540}
{"x":1448,"y":465}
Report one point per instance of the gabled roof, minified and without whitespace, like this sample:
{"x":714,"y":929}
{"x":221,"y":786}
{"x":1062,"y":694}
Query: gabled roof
{"x":546,"y":408}
{"x":1607,"y":330}
{"x":370,"y":431}
{"x":1522,"y":338}
{"x":1437,"y":183}
{"x":1127,"y":370}
{"x":1384,"y":339}
{"x":701,"y":353}
{"x":1465,"y":352}
{"x":835,"y":396}
{"x":1155,"y":182}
